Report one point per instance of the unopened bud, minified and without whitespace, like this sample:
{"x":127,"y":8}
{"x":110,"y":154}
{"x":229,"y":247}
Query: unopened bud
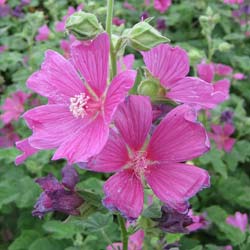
{"x":143,"y":37}
{"x":151,"y":87}
{"x":84,"y":26}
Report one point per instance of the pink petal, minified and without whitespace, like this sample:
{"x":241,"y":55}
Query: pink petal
{"x":166,"y":63}
{"x":175,"y":183}
{"x":91,"y":59}
{"x":125,"y":63}
{"x":136,"y":240}
{"x":223,"y":70}
{"x":179,"y":137}
{"x":124,"y":192}
{"x":192,"y":90}
{"x":52,"y":125}
{"x":27,"y":150}
{"x":162,"y":5}
{"x":228,"y":144}
{"x":223,"y":86}
{"x":113,"y":156}
{"x":206,"y":72}
{"x":117,"y":92}
{"x":85,"y":142}
{"x":217,"y":129}
{"x":57,"y":79}
{"x":133,"y":119}
{"x":115,"y":246}
{"x":228,"y":129}
{"x":43,"y":33}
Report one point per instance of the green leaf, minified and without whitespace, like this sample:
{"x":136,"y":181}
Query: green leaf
{"x":59,"y":229}
{"x":24,"y":240}
{"x":47,"y":244}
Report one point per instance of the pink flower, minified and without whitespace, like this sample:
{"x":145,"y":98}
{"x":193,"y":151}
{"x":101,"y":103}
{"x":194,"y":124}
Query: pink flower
{"x":66,"y":44}
{"x":239,"y":76}
{"x":228,"y":247}
{"x":135,"y":242}
{"x":207,"y":73}
{"x":117,"y":21}
{"x":125,"y":63}
{"x":222,"y":69}
{"x":43,"y":33}
{"x":146,"y":2}
{"x":199,"y":222}
{"x":239,"y":220}
{"x":27,"y":151}
{"x":8,"y":137}
{"x":80,"y":102}
{"x":162,"y":5}
{"x":13,"y":107}
{"x":233,"y":1}
{"x":3,"y":48}
{"x":170,"y":66}
{"x":2,"y":2}
{"x":221,"y":136}
{"x":128,"y":6}
{"x":134,"y":156}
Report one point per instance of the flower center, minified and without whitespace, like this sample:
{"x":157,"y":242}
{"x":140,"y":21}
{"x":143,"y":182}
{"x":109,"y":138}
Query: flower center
{"x":78,"y":105}
{"x":139,"y":163}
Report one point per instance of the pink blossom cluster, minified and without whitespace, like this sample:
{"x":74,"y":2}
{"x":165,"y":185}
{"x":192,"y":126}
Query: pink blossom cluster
{"x":93,"y":121}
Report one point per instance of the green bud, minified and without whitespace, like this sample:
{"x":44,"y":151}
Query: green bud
{"x":151,"y":87}
{"x":224,"y":47}
{"x":84,"y":26}
{"x":143,"y":36}
{"x":216,"y":18}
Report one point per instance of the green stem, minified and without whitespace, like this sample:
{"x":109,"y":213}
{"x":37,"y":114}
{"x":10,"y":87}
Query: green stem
{"x":110,"y":7}
{"x":124,"y":233}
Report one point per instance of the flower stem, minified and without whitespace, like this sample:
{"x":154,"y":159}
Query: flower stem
{"x":110,"y":7}
{"x":124,"y":232}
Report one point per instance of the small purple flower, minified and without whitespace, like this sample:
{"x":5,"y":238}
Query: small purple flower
{"x":8,"y":137}
{"x":161,"y":24}
{"x":227,"y":116}
{"x":58,"y":196}
{"x":144,"y":15}
{"x":172,"y":221}
{"x":4,"y":10}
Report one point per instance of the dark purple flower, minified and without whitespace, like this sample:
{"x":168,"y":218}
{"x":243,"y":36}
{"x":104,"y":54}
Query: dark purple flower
{"x":245,"y":9}
{"x":144,"y":15}
{"x":56,"y":196}
{"x":227,"y":116}
{"x":69,"y":177}
{"x":17,"y":11}
{"x":172,"y":221}
{"x":8,"y":137}
{"x":161,"y":24}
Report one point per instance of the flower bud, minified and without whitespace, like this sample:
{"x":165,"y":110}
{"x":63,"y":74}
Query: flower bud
{"x":143,"y":36}
{"x":84,"y":26}
{"x":224,"y":47}
{"x":151,"y":87}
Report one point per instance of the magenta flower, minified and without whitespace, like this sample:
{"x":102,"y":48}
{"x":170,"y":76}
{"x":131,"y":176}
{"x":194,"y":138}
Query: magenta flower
{"x":207,"y":73}
{"x":8,"y":137}
{"x":3,"y":48}
{"x":128,"y":6}
{"x":13,"y":107}
{"x":65,"y":45}
{"x":133,"y":155}
{"x":135,"y":242}
{"x":58,"y":196}
{"x":239,"y":220}
{"x":162,"y":5}
{"x":125,"y":63}
{"x":239,"y":76}
{"x":199,"y":222}
{"x":222,"y":69}
{"x":81,"y":103}
{"x":27,"y":151}
{"x":170,"y":66}
{"x":43,"y":33}
{"x":233,"y":1}
{"x":117,"y":21}
{"x":221,"y":136}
